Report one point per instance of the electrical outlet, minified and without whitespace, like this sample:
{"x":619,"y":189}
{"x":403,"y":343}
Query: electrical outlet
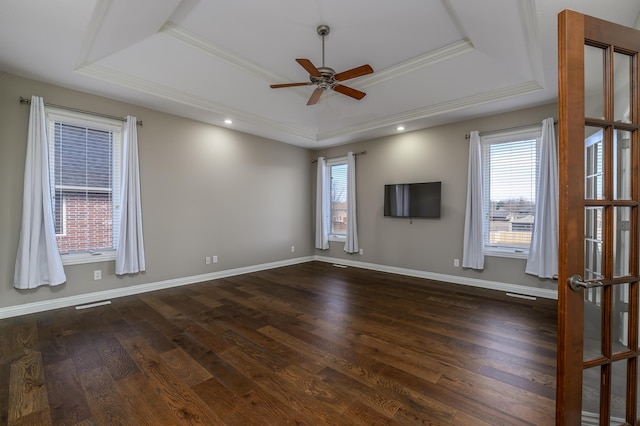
{"x":456,"y":263}
{"x":361,"y":252}
{"x":97,"y":275}
{"x":207,"y":260}
{"x":215,"y":259}
{"x":293,"y":249}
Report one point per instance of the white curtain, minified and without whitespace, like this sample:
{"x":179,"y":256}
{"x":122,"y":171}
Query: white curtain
{"x":130,"y":250}
{"x":38,"y":260}
{"x":322,"y":206}
{"x":543,"y":252}
{"x":473,"y":249}
{"x":351,"y":244}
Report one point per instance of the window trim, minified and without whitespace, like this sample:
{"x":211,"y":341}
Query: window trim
{"x":329,"y":163}
{"x":506,"y":136}
{"x":53,"y":114}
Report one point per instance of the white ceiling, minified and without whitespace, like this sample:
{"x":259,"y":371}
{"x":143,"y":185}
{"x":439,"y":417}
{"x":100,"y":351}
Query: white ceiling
{"x":435,"y":61}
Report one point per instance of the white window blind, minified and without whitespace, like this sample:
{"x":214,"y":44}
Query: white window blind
{"x":85,"y":175}
{"x":510,"y":175}
{"x":337,"y":185}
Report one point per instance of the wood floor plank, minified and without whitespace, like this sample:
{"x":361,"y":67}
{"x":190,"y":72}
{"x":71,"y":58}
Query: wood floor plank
{"x":361,"y":414}
{"x":521,"y":404}
{"x":183,"y":402}
{"x":261,"y":407}
{"x":465,"y":419}
{"x":5,"y":374}
{"x":227,"y":405}
{"x":40,"y":418}
{"x":115,"y":358}
{"x":471,"y":401}
{"x":27,"y":387}
{"x":82,"y":350}
{"x":222,"y":371}
{"x":22,"y":337}
{"x":5,"y":344}
{"x":390,"y":388}
{"x":107,"y":405}
{"x":189,"y":371}
{"x":303,"y":344}
{"x":281,"y":389}
{"x":67,"y":400}
{"x":143,"y":401}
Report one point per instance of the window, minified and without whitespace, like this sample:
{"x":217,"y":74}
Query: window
{"x":510,"y":180}
{"x":85,"y":175}
{"x":337,"y":186}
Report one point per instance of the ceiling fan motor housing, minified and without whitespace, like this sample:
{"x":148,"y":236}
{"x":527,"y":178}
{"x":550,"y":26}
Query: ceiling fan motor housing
{"x":326,"y":80}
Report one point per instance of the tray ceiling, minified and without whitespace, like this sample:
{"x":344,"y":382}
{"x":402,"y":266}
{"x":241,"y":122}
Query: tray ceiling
{"x":435,"y":61}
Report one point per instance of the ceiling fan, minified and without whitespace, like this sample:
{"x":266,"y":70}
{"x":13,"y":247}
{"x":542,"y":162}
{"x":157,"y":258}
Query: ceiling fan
{"x":326,"y":78}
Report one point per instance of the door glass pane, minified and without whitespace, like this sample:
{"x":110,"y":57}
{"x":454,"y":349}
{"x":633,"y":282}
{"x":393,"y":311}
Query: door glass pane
{"x":593,"y":82}
{"x":622,"y":165}
{"x":620,"y":318}
{"x":621,"y":241}
{"x":591,"y":396}
{"x":593,"y":163}
{"x":593,"y":217}
{"x":592,"y":323}
{"x":621,"y":87}
{"x":618,"y":392}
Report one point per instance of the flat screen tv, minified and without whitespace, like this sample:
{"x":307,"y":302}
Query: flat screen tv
{"x":412,"y":200}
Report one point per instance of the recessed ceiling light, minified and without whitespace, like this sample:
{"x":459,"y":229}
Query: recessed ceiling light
{"x":228,"y":121}
{"x":400,"y":128}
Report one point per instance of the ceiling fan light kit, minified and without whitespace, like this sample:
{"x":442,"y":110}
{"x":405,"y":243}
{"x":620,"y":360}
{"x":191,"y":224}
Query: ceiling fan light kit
{"x":325,"y":78}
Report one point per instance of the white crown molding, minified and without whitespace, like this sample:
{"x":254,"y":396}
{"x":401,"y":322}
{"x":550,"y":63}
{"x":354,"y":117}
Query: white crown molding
{"x":534,"y":50}
{"x":155,"y":89}
{"x":165,"y":92}
{"x":445,"y":53}
{"x":196,"y":42}
{"x":98,"y":16}
{"x":433,"y":110}
{"x":207,"y":47}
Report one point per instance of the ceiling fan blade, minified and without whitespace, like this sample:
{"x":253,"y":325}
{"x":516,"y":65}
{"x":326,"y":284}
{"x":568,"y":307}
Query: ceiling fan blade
{"x":353,"y":73}
{"x":280,"y":86}
{"x":311,"y":69}
{"x":315,"y":96}
{"x":356,"y":94}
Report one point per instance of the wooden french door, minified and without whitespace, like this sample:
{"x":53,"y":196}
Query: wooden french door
{"x":599,"y":137}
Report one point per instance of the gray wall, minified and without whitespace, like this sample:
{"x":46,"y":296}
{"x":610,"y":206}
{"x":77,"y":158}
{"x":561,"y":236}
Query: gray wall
{"x":435,"y":154}
{"x":206,"y":191}
{"x":209,"y":190}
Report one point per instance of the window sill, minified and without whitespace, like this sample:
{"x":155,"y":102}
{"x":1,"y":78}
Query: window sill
{"x":510,"y":253}
{"x":82,"y":258}
{"x":338,"y":239}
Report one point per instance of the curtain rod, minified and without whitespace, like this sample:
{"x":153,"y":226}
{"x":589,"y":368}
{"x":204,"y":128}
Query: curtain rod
{"x":467,"y":136}
{"x":97,"y":114}
{"x":355,"y":153}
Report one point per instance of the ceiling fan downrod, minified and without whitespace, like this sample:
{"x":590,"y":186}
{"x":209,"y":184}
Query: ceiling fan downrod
{"x":323,"y":30}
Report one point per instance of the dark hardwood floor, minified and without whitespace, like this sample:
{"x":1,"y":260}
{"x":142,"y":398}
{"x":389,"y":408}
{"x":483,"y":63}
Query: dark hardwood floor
{"x":307,"y":344}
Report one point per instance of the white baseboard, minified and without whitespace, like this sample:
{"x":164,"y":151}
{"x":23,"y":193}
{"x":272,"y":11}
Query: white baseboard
{"x":474,"y":282}
{"x":63,"y":302}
